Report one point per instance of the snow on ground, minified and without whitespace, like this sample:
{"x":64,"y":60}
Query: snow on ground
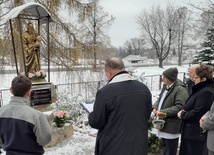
{"x":82,"y":142}
{"x":156,"y":70}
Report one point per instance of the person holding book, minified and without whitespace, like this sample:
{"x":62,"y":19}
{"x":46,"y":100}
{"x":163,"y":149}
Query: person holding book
{"x":121,"y":112}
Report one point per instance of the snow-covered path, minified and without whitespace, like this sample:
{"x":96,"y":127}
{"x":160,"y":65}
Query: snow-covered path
{"x":80,"y":143}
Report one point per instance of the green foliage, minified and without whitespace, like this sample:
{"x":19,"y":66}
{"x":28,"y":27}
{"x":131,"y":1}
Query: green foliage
{"x":70,"y":117}
{"x":150,"y":125}
{"x":35,"y":76}
{"x":61,"y":117}
{"x":60,"y":120}
{"x":154,"y":144}
{"x":207,"y":54}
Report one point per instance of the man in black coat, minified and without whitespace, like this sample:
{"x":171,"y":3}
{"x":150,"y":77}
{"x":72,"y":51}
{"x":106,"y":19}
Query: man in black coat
{"x":121,"y":112}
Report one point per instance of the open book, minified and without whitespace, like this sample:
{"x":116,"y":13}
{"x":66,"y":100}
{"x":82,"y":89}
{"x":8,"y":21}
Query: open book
{"x":88,"y":106}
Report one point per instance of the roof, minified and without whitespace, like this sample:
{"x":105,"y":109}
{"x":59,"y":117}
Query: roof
{"x":34,"y":9}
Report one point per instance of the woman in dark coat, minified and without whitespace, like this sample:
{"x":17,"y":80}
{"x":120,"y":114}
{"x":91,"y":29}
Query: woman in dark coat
{"x":193,"y":138}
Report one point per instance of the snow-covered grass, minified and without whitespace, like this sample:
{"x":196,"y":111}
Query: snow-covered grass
{"x":82,"y":141}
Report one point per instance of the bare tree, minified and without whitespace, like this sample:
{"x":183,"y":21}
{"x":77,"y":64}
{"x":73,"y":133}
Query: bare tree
{"x":181,"y":27}
{"x":120,"y":52}
{"x":159,"y":25}
{"x":57,"y":27}
{"x":205,"y":21}
{"x":94,"y":28}
{"x":69,"y":39}
{"x":205,"y":10}
{"x":135,"y":46}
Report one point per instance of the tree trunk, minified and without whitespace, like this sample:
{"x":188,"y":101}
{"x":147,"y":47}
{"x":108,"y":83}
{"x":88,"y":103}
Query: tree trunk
{"x":179,"y":61}
{"x":95,"y":60}
{"x":161,"y":63}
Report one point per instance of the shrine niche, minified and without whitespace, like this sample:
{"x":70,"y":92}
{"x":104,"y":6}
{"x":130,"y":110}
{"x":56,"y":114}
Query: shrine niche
{"x":27,"y":20}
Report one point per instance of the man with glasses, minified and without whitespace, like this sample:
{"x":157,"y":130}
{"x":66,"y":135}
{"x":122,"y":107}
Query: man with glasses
{"x":190,"y":81}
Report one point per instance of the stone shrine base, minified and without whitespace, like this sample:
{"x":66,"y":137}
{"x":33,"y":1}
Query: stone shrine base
{"x":60,"y":134}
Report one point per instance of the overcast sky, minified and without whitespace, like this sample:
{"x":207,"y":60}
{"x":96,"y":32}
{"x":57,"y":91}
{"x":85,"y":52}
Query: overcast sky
{"x":125,"y":27}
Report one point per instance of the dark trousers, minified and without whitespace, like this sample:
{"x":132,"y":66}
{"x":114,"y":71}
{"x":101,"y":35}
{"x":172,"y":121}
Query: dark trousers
{"x":170,"y":146}
{"x":191,"y":147}
{"x":205,"y":150}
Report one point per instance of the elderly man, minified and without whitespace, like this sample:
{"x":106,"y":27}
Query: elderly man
{"x":190,"y":81}
{"x":121,"y":112}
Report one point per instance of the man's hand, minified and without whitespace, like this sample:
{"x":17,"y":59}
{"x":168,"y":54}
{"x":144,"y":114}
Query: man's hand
{"x":154,"y":111}
{"x":179,"y":113}
{"x":201,"y":120}
{"x":161,"y":114}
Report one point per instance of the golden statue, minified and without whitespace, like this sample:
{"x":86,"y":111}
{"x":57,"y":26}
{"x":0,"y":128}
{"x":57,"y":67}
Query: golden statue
{"x":31,"y":49}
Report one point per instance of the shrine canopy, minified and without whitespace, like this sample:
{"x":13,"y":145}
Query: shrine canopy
{"x":30,"y":10}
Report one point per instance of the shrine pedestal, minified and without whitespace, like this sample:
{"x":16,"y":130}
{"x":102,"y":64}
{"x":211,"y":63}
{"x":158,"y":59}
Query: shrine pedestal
{"x":42,"y":95}
{"x":59,"y":134}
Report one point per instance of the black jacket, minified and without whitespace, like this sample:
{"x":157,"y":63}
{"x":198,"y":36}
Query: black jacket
{"x":198,"y":103}
{"x":121,"y":113}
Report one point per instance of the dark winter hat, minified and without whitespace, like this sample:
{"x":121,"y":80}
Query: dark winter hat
{"x":171,"y":74}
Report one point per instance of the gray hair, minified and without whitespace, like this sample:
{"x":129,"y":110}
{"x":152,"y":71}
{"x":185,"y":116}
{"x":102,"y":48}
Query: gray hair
{"x":114,"y":63}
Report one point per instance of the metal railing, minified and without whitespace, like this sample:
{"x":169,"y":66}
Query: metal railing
{"x":154,"y":82}
{"x":87,"y":90}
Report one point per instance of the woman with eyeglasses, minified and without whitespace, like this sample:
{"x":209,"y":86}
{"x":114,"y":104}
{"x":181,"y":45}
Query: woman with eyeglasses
{"x":193,"y":137}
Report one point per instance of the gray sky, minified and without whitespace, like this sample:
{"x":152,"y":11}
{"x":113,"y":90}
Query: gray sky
{"x":125,"y":11}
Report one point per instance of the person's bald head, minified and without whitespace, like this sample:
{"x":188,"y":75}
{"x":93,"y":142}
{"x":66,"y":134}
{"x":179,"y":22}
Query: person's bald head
{"x":192,"y":71}
{"x":113,"y":66}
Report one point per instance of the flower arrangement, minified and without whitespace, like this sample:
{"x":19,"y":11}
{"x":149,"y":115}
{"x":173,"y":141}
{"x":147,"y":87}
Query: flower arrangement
{"x":60,"y":117}
{"x":38,"y":75}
